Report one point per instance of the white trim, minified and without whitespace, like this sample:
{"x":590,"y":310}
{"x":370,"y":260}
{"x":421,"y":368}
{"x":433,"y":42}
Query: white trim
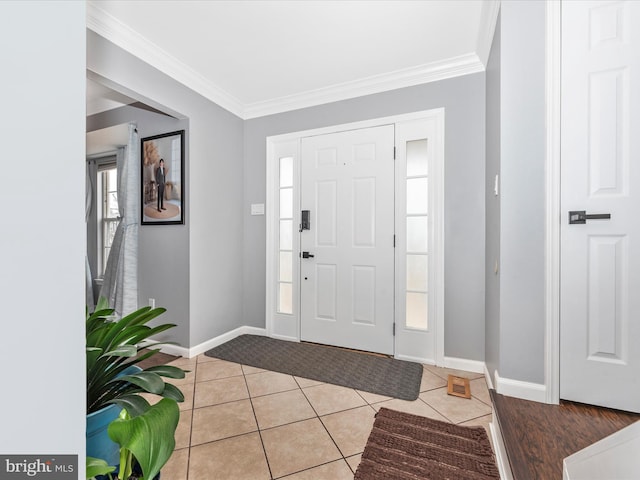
{"x":430,"y":72}
{"x":409,"y":358}
{"x":374,"y":122}
{"x":437,"y":235}
{"x":504,"y":467}
{"x":270,"y":244}
{"x":535,"y":392}
{"x":109,"y":27}
{"x":120,"y":34}
{"x":285,"y":337}
{"x":614,"y":456}
{"x":212,"y":343}
{"x":474,"y":366}
{"x":552,"y":187}
{"x":488,"y":377}
{"x":489,"y":19}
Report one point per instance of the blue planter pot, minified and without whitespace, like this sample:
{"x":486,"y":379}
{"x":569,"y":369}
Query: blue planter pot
{"x":99,"y":444}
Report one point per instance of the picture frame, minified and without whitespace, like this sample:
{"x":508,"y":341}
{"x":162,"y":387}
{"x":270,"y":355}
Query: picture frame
{"x":162,"y":175}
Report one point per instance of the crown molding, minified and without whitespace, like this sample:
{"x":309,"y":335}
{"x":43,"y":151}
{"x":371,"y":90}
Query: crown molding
{"x":131,"y":41}
{"x":488,"y":20}
{"x":431,"y":72}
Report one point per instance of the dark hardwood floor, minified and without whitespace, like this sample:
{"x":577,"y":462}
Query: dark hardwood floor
{"x":537,"y":436}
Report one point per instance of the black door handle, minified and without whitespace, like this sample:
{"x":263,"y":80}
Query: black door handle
{"x":307,"y":255}
{"x":581,"y":216}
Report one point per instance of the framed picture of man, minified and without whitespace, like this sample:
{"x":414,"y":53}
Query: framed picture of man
{"x":162,"y":162}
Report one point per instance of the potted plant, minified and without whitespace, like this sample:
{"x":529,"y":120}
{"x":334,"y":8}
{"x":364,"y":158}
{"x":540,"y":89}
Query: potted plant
{"x":115,"y":382}
{"x":146,"y":442}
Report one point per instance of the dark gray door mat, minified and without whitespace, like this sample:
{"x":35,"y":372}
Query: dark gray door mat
{"x":362,"y":371}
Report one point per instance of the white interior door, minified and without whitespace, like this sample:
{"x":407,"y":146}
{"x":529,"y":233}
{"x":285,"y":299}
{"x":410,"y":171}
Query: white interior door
{"x":347,"y":286}
{"x":600,"y":174}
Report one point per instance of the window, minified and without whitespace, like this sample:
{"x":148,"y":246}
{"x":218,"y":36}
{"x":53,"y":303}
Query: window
{"x":417,"y":183}
{"x":285,"y":266}
{"x":108,"y":215}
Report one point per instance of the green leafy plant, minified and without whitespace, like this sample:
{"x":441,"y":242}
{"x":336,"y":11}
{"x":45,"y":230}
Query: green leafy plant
{"x":147,"y":439}
{"x":145,"y":433}
{"x":112,"y":347}
{"x":96,"y":467}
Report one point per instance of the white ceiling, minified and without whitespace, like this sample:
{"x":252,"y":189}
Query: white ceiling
{"x":261,"y":57}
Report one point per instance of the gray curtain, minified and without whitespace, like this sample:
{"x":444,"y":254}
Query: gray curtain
{"x":88,"y":276}
{"x":120,"y":284}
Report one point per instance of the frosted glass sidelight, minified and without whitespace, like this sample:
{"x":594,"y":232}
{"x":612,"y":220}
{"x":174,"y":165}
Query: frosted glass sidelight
{"x":286,"y":172}
{"x":286,"y":235}
{"x":286,"y":203}
{"x":417,"y":268}
{"x":417,"y":158}
{"x":417,"y":196}
{"x":417,"y":316}
{"x":285,"y":274}
{"x":285,"y":303}
{"x":417,"y":234}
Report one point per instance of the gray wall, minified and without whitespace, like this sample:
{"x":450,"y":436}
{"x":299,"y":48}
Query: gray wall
{"x":516,"y":102}
{"x":522,"y":213}
{"x":492,"y":279}
{"x":42,"y":245}
{"x":163,"y":263}
{"x":463,"y":100}
{"x":214,"y":211}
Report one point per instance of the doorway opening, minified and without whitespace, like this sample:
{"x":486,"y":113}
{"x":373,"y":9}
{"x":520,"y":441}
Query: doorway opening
{"x":315,"y":276}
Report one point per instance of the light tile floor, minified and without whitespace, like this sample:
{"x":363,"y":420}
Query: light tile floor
{"x":240,"y":422}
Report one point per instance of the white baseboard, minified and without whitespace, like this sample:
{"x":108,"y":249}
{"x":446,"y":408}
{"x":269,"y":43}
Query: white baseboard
{"x":214,"y":342}
{"x":474,"y":366}
{"x":501,"y":453}
{"x":535,"y":392}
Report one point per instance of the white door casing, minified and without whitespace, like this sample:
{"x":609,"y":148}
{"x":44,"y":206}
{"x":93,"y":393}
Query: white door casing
{"x":347,"y":287}
{"x":600,"y":174}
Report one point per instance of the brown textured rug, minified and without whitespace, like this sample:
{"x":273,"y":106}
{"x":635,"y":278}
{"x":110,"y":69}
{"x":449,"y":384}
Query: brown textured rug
{"x":404,"y":446}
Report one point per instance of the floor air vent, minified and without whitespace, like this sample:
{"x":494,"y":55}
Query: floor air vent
{"x":459,"y":386}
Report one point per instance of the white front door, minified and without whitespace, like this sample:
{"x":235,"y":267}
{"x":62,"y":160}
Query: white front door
{"x":600,"y":174}
{"x":347,"y":272}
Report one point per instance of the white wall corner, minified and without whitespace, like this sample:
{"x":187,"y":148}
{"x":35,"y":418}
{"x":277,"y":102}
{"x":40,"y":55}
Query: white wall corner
{"x":212,"y":343}
{"x":488,"y":377}
{"x":474,"y":366}
{"x":489,"y":19}
{"x":535,"y":392}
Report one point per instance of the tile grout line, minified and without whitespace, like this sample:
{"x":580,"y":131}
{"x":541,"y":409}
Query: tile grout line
{"x":325,"y":427}
{"x":255,"y":417}
{"x":193,"y":401}
{"x":313,"y":409}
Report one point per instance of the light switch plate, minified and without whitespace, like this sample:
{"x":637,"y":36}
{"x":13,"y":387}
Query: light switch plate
{"x":257,"y":209}
{"x":495,"y":185}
